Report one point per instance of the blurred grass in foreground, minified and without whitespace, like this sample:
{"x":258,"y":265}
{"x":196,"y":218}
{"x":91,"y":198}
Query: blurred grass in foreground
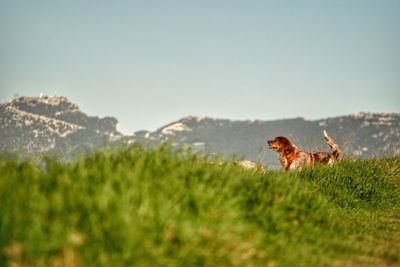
{"x":135,"y":207}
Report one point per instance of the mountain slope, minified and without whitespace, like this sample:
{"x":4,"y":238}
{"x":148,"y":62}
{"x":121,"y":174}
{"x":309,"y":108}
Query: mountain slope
{"x":32,"y":125}
{"x":51,"y":124}
{"x":362,"y":134}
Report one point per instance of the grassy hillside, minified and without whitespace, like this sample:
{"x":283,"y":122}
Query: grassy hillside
{"x":133,"y":207}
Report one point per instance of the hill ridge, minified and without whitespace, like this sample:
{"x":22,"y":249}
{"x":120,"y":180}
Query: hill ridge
{"x":54,"y":124}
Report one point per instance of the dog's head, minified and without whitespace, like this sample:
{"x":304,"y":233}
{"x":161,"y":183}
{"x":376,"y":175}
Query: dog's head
{"x":280,"y":144}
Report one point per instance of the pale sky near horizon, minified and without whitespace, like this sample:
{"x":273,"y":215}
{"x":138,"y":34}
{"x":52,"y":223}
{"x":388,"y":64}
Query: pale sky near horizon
{"x":149,"y":63}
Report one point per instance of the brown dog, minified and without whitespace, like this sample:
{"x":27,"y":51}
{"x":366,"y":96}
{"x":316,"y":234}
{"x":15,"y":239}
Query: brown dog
{"x":292,"y":158}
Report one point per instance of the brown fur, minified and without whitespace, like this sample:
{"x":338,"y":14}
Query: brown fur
{"x":292,"y":158}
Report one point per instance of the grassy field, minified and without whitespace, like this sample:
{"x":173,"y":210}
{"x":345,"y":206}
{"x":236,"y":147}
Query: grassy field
{"x":134,"y":207}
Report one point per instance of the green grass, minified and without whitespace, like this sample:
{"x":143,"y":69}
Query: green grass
{"x":135,"y":207}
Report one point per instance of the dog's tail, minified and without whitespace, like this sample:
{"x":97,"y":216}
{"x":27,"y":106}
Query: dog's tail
{"x":332,"y":144}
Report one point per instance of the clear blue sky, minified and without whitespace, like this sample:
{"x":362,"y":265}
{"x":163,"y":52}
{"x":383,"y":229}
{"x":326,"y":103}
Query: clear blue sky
{"x":152,"y":62}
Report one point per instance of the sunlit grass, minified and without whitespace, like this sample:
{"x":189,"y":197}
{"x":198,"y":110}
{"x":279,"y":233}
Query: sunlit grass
{"x":138,"y":207}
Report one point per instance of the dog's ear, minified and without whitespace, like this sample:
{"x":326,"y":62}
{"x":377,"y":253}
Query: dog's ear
{"x":288,"y":150}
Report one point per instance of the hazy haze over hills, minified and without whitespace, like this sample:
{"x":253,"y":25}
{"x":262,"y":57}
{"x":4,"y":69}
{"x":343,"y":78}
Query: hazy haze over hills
{"x":55,"y":125}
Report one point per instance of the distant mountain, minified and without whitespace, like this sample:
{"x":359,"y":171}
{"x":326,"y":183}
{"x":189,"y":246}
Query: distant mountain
{"x":32,"y":125}
{"x":361,"y":134}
